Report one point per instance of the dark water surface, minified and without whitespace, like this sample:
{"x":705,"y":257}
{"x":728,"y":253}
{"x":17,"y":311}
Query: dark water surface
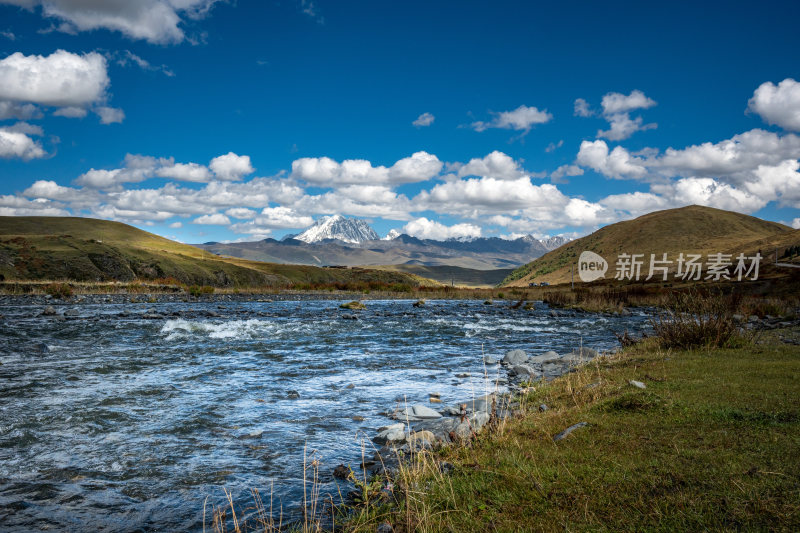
{"x":122,"y":423}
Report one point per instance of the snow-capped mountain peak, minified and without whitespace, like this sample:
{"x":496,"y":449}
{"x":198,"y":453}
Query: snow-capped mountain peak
{"x":551,"y":243}
{"x":350,"y":230}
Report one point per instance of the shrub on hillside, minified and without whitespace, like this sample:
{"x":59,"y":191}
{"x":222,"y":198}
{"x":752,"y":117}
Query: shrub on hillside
{"x":59,"y":290}
{"x":196,"y":290}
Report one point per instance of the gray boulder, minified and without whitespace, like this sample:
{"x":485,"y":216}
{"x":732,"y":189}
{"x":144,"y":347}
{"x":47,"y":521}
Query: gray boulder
{"x":544,"y":358}
{"x":473,"y":424}
{"x":416,"y":412}
{"x":523,"y":371}
{"x":449,"y":410}
{"x":515,"y":357}
{"x":390,"y":434}
{"x":440,"y":427}
{"x":554,"y":369}
{"x":489,"y":360}
{"x":463,"y":431}
{"x":481,"y":403}
{"x":49,"y":310}
{"x":478,"y":419}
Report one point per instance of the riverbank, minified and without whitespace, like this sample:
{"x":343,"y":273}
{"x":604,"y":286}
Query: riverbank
{"x":662,"y":440}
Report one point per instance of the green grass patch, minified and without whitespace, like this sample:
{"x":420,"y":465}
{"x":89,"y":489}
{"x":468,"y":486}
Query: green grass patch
{"x":712,"y":443}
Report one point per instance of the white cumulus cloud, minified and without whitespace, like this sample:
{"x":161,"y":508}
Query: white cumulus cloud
{"x":217,"y":219}
{"x":185,"y":172}
{"x":423,"y":228}
{"x":494,"y":165}
{"x":110,"y":115}
{"x":522,"y":118}
{"x":62,"y":79}
{"x":18,"y":110}
{"x":566,"y":170}
{"x":581,"y":108}
{"x":326,"y":172}
{"x":778,"y":104}
{"x":273,"y":218}
{"x":19,"y":145}
{"x":231,"y":167}
{"x":614,"y":103}
{"x":240,"y":213}
{"x":618,"y":163}
{"x":156,"y":21}
{"x":616,"y":110}
{"x":425,"y":119}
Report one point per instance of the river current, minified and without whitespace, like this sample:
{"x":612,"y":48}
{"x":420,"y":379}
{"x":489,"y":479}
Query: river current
{"x":126,"y":417}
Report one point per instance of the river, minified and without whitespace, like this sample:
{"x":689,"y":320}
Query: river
{"x":111,"y":421}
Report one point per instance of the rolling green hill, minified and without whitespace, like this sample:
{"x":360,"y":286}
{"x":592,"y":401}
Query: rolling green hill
{"x":691,"y":229}
{"x":84,"y":249}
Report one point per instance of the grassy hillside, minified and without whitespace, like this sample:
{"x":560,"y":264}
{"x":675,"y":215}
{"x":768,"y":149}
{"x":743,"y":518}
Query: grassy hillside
{"x":692,"y":229}
{"x":83,"y":249}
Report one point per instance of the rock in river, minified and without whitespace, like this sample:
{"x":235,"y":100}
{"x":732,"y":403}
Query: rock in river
{"x":523,"y":371}
{"x":515,"y":357}
{"x":341,"y":472}
{"x":416,"y":412}
{"x":389,"y":434}
{"x":544,"y":358}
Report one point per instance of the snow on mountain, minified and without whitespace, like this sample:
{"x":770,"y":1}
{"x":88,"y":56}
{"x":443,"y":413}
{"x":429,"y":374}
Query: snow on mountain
{"x":350,"y":230}
{"x":392,"y":235}
{"x":551,"y":243}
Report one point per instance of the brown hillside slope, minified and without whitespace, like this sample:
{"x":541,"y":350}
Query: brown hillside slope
{"x":85,"y":249}
{"x":692,"y":229}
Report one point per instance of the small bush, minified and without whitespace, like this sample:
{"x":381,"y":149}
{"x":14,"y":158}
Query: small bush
{"x":626,"y":339}
{"x":692,"y":320}
{"x":59,"y":290}
{"x":196,"y":290}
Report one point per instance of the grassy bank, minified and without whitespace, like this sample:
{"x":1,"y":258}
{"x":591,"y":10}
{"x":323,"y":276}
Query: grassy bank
{"x":712,"y":442}
{"x":356,"y":289}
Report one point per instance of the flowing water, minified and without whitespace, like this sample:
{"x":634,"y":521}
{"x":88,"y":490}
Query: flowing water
{"x":110,"y":421}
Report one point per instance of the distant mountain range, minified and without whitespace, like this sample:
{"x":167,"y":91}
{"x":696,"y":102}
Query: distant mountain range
{"x":341,"y":241}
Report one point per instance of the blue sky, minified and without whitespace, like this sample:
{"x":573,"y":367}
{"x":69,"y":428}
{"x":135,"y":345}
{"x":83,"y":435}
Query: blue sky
{"x":213,"y":120}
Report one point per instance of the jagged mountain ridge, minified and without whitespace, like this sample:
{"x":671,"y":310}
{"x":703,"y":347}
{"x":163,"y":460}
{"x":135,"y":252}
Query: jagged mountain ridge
{"x":337,"y":227}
